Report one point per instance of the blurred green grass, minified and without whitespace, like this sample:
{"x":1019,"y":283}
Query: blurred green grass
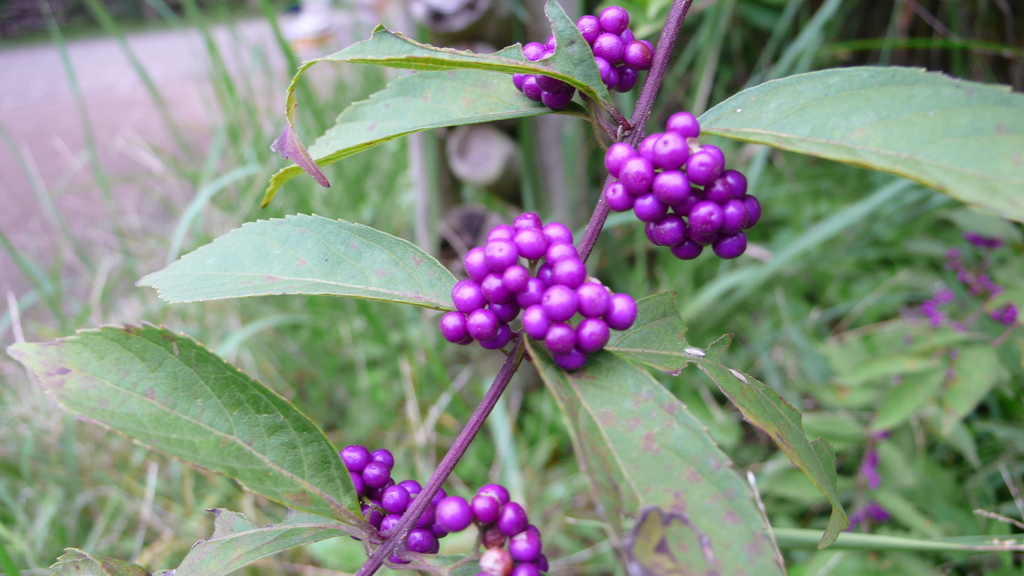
{"x":847,"y":248}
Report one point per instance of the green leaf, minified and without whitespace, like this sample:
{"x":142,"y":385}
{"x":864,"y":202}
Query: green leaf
{"x":170,"y":393}
{"x":307,"y":255}
{"x":639,"y":446}
{"x":914,"y":392}
{"x":77,"y":562}
{"x":668,"y":544}
{"x":977,"y":370}
{"x":472,"y":94}
{"x":236,"y":542}
{"x":962,"y":138}
{"x":414,"y":103}
{"x":658,"y":338}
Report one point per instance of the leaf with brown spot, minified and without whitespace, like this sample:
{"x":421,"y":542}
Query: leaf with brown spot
{"x":657,"y":338}
{"x":636,"y":453}
{"x":77,"y":562}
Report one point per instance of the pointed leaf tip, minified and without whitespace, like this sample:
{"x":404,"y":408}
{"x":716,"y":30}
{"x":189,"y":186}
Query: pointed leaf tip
{"x":290,"y":147}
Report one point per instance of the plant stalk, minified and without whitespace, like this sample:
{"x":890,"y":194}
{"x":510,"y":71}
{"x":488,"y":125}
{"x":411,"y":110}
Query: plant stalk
{"x":396,"y":542}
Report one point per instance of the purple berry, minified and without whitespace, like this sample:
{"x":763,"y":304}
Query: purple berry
{"x":496,"y":491}
{"x":518,"y":79}
{"x":453,"y":327}
{"x":618,"y":199}
{"x":608,"y":74}
{"x":560,"y":251}
{"x":637,"y":56}
{"x":549,"y":84}
{"x":559,"y":303}
{"x":671,"y":187}
{"x":501,"y":253}
{"x":495,"y":562}
{"x":468,"y":296}
{"x":355,"y":457}
{"x":525,"y":546}
{"x":649,"y":209}
{"x":501,"y":231}
{"x":428,"y":517}
{"x":396,"y":559}
{"x":737,"y":181}
{"x":482,"y":325}
{"x":476,"y":264}
{"x":544,"y":274}
{"x":591,"y":335}
{"x":420,"y":540}
{"x":531,"y":89}
{"x":570,"y":362}
{"x":395,"y":499}
{"x":646,"y":147}
{"x":627,"y":37}
{"x":719,"y":191}
{"x":561,"y":338}
{"x":670,"y":151}
{"x":525,"y":569}
{"x":614,"y":19}
{"x":557,"y":232}
{"x":493,"y":289}
{"x":512,"y":519}
{"x":716,"y":152}
{"x":616,"y":156}
{"x":531,"y":243}
{"x":702,"y":239}
{"x":389,"y":522}
{"x":702,"y":167}
{"x":357,"y":483}
{"x":438,"y":533}
{"x":706,"y":218}
{"x":542,"y":563}
{"x":374,"y":517}
{"x":669,"y":231}
{"x":688,"y":250}
{"x":485,"y":509}
{"x":684,"y":124}
{"x":627,"y":79}
{"x":734,"y":216}
{"x":383,"y":456}
{"x":500,"y":339}
{"x":683,"y":208}
{"x":515,"y":278}
{"x":555,"y":100}
{"x":610,"y":47}
{"x":533,"y":51}
{"x":438,"y":496}
{"x":532,"y":294}
{"x":412,"y":487}
{"x":592,"y":300}
{"x":551,"y":44}
{"x":589,"y":27}
{"x":453,"y":514}
{"x":376,"y":474}
{"x":621,"y":312}
{"x":504,"y":312}
{"x":729,"y":247}
{"x":526,"y":220}
{"x":753,"y":210}
{"x":536,"y":322}
{"x":636,"y":175}
{"x":569,"y":272}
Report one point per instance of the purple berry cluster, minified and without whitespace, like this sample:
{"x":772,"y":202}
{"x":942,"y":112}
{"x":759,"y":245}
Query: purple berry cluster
{"x":500,"y":286}
{"x":384,"y":501}
{"x":618,"y":54}
{"x":682,"y":191}
{"x":500,"y":520}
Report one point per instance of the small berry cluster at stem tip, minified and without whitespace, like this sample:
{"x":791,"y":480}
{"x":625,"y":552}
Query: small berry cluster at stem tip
{"x":550,"y":290}
{"x":513,"y":545}
{"x":619,"y":56}
{"x":682,"y":191}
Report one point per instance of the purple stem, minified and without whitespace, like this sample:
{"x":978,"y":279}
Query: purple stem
{"x":476,"y":421}
{"x":395,"y":543}
{"x":642,"y":112}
